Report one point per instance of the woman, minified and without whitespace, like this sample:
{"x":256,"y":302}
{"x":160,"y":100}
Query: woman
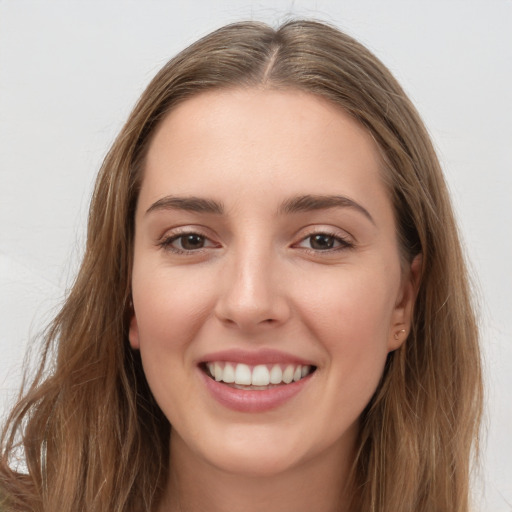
{"x":272,"y":310}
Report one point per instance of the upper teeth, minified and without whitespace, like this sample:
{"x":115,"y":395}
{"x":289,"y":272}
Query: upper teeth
{"x":259,"y":375}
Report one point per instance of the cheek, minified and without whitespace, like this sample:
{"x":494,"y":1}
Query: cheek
{"x":169,"y":306}
{"x":350,"y":308}
{"x":168,"y":317}
{"x":350,"y":317}
{"x":169,"y":314}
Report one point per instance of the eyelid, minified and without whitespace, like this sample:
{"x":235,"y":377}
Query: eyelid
{"x":170,"y":235}
{"x":345,"y":239}
{"x":192,"y":229}
{"x":342,"y":242}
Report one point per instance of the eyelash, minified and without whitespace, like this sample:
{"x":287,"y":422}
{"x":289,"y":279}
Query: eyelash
{"x":344,"y":243}
{"x":167,"y":242}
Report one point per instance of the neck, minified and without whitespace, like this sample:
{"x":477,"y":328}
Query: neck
{"x":319,"y":484}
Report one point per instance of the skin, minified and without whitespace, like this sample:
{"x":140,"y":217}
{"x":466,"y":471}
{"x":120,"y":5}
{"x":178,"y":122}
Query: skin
{"x":257,"y":280}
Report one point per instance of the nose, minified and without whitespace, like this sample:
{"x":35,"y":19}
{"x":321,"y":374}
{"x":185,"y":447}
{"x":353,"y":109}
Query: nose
{"x":252,"y":293}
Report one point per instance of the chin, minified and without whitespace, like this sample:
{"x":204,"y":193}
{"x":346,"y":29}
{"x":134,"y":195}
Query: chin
{"x":255,"y":453}
{"x":256,"y":463}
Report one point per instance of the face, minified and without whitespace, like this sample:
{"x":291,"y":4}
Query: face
{"x":267,"y":284}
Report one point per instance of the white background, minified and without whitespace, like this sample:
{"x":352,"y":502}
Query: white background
{"x":70,"y":71}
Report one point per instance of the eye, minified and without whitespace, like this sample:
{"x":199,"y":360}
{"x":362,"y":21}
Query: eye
{"x":186,"y":242}
{"x":189,"y":242}
{"x":324,"y":242}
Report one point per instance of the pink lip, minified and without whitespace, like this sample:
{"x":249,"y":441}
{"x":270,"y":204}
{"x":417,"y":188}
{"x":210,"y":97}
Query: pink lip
{"x":256,"y":400}
{"x":262,"y":356}
{"x":253,"y":401}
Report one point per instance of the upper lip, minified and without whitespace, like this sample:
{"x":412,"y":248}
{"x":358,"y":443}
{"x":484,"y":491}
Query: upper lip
{"x":254,"y":357}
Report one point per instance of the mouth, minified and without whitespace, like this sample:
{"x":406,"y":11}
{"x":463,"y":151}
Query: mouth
{"x":259,"y":377}
{"x":256,"y":381}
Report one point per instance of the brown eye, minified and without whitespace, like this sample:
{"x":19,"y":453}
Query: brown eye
{"x":322,"y":242}
{"x":189,"y":242}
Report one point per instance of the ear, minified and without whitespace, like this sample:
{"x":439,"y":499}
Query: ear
{"x":401,"y":319}
{"x":133,"y":333}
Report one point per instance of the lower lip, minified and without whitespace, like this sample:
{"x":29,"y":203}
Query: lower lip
{"x":253,"y":401}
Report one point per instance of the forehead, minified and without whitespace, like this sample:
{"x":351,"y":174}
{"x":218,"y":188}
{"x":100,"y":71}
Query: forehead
{"x":267,"y":141}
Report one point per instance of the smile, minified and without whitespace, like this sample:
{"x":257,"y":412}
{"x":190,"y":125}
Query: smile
{"x":256,"y":377}
{"x":255,"y":381}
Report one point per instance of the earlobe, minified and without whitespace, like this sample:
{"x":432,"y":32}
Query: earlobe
{"x":404,"y":308}
{"x":133,"y":333}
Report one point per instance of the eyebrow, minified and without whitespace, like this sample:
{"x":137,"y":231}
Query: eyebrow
{"x":309,"y":203}
{"x":190,"y":204}
{"x":305,"y":203}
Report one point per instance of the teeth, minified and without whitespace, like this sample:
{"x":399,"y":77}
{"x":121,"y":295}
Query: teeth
{"x":242,"y":374}
{"x":229,"y":373}
{"x":276,"y":374}
{"x":260,"y":375}
{"x":218,"y":372}
{"x":288,"y":374}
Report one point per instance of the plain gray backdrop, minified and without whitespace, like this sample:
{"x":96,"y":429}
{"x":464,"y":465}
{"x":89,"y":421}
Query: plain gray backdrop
{"x":70,"y":72}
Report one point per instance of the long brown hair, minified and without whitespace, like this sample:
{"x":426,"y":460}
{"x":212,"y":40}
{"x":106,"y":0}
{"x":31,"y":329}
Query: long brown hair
{"x":92,"y":435}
